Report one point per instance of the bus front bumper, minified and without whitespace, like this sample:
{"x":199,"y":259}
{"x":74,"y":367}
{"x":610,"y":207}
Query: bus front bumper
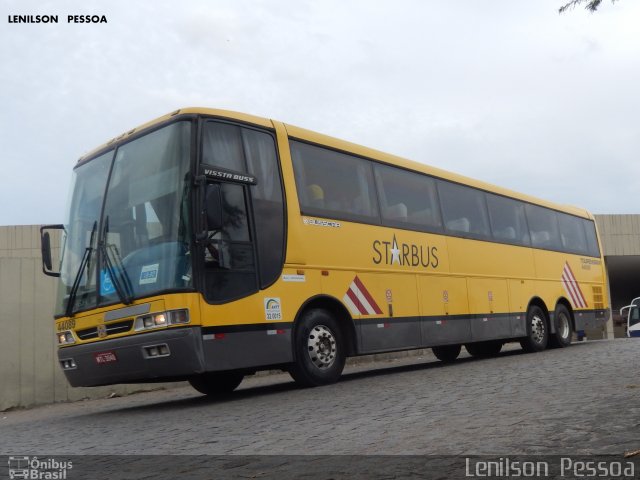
{"x":166,"y":355}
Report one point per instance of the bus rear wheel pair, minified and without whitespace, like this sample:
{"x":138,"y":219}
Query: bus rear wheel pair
{"x":538,"y":333}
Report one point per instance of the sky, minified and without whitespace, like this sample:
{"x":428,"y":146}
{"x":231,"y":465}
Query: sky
{"x":512,"y":93}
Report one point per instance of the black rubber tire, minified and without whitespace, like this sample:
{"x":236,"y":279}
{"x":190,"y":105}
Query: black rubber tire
{"x":447,"y":353}
{"x":320,"y":328}
{"x":563,"y":331}
{"x":217,"y":383}
{"x":537,"y":331}
{"x":484,"y":349}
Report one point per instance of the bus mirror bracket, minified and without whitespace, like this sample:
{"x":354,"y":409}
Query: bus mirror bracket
{"x":45,"y":249}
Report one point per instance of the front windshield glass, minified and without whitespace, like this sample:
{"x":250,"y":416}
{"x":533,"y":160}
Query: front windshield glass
{"x":87,"y":190}
{"x":634,"y":315}
{"x":145,"y":223}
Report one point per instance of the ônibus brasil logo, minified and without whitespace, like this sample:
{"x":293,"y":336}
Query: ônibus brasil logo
{"x":404,"y":254}
{"x":38,"y":469}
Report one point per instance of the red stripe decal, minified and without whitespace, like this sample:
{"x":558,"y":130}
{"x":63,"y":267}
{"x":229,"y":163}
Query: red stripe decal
{"x":584,"y":301}
{"x":354,"y":298}
{"x":367,"y":295}
{"x":569,"y":288}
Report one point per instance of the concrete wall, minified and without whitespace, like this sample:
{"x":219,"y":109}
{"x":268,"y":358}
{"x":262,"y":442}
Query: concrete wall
{"x":620,"y":234}
{"x":621,"y":245}
{"x":29,"y":371}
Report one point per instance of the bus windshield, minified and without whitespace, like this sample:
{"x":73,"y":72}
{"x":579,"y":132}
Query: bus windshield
{"x":140,"y":244}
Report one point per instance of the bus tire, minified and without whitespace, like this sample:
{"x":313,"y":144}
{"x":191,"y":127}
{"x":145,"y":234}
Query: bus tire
{"x":447,"y":353}
{"x":562,"y":322}
{"x":320,"y":351}
{"x":484,"y":349}
{"x":217,"y":383}
{"x":537,"y":331}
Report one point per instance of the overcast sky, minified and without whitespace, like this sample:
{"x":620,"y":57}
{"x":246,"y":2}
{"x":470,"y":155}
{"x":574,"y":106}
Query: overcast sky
{"x":505,"y":91}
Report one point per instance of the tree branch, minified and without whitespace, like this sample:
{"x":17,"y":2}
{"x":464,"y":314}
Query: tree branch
{"x":591,"y":5}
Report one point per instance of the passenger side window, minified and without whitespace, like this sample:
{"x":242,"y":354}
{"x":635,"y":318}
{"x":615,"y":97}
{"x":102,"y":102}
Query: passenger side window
{"x":407,"y":199}
{"x":572,"y":234}
{"x":592,"y":240}
{"x":333,"y":184}
{"x":543,"y":227}
{"x":464,"y":210}
{"x":508,"y":222}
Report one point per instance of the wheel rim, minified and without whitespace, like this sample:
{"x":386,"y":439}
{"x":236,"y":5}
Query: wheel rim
{"x":322,"y":347}
{"x":537,"y":329}
{"x":563,"y":326}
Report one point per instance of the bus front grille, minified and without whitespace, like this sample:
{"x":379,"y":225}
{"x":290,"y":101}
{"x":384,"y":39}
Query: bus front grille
{"x":111,"y":329}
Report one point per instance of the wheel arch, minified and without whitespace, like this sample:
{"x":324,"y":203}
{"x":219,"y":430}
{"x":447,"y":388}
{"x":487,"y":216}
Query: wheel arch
{"x":538,"y":302}
{"x":339,"y":311}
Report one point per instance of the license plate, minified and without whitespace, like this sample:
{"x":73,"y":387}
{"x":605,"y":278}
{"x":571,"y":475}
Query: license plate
{"x":105,"y":357}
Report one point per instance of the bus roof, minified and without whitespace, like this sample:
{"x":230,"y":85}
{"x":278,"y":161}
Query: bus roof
{"x":314,"y":137}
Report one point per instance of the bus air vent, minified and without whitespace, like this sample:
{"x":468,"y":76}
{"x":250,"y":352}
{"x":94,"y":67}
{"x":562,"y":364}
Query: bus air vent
{"x":598,"y":300}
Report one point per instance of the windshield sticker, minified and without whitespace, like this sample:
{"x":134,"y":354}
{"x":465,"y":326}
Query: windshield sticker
{"x":149,"y":274}
{"x":106,"y":285}
{"x":272,"y":309}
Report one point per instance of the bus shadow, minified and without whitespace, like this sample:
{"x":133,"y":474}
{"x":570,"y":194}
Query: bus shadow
{"x":285,"y":384}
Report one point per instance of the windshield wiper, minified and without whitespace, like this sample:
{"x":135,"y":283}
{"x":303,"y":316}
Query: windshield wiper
{"x":71,"y":300}
{"x":122,"y":283}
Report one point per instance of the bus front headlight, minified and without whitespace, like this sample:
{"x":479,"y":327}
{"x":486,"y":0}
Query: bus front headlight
{"x":178,"y":317}
{"x":161,"y":319}
{"x":65,"y":338}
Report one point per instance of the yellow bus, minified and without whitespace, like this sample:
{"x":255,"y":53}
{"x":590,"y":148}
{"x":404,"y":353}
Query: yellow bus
{"x":207,"y":245}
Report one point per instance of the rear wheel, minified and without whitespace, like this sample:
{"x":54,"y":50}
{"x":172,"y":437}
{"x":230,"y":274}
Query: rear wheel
{"x":484,"y":349}
{"x":217,"y":383}
{"x":537,"y":331}
{"x":319,"y":349}
{"x":447,"y":353}
{"x":562,"y":322}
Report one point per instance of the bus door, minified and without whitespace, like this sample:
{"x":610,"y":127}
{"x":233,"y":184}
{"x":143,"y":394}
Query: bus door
{"x":229,"y":254}
{"x":245,"y":252}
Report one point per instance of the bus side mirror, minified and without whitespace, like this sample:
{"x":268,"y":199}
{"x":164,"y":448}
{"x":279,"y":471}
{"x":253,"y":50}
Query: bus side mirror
{"x":213,"y":206}
{"x":45,"y":249}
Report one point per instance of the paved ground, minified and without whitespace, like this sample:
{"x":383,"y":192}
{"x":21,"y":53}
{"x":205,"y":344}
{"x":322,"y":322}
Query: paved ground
{"x":582,"y":400}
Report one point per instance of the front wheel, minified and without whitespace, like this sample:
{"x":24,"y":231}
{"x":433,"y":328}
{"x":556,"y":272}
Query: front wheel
{"x":484,"y":349}
{"x":537,"y":331}
{"x":217,"y":383}
{"x":319,"y":350}
{"x":562,"y":322}
{"x":447,"y":353}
